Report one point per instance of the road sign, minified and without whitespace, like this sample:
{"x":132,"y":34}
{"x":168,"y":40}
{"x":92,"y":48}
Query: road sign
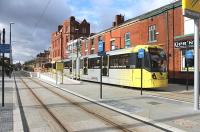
{"x":189,"y":54}
{"x":141,"y":53}
{"x":59,"y":66}
{"x":191,"y":8}
{"x":101,"y":46}
{"x":4,"y":48}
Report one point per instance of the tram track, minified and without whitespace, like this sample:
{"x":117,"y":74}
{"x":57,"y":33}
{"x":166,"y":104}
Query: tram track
{"x":58,"y":122}
{"x":102,"y":117}
{"x":97,"y":115}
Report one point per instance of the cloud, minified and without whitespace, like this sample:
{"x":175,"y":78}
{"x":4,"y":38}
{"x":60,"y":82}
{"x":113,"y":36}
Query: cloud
{"x":31,"y":26}
{"x":32,"y":29}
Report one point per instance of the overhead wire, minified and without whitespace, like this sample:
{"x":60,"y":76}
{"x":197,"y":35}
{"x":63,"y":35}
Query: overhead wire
{"x":40,"y":17}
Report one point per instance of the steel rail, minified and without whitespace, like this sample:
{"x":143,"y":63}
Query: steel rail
{"x":46,"y":108}
{"x":87,"y":110}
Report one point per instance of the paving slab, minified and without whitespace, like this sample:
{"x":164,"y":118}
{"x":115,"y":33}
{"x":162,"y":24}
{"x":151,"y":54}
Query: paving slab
{"x":171,"y":112}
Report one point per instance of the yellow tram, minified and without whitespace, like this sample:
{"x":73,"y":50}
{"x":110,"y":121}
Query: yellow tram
{"x":122,"y":67}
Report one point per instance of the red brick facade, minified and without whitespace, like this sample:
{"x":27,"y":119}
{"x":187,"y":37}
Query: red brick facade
{"x":169,"y":23}
{"x":70,"y":30}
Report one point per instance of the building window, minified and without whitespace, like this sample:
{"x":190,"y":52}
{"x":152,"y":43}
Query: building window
{"x":127,"y":40}
{"x":86,"y":44}
{"x":185,"y":62}
{"x":92,"y":43}
{"x":72,"y":29}
{"x":92,"y":46}
{"x":66,"y":29}
{"x":152,"y":33}
{"x":84,"y":30}
{"x":112,"y":45}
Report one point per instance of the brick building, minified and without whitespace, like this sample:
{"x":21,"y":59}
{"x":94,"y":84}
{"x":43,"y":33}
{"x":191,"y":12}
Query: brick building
{"x":164,"y":26}
{"x":40,"y":61}
{"x":71,"y":29}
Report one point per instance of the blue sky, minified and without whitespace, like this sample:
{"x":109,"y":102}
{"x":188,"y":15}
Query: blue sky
{"x":35,"y":20}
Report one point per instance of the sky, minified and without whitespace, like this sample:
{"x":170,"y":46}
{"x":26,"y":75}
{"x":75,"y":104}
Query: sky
{"x":35,"y":20}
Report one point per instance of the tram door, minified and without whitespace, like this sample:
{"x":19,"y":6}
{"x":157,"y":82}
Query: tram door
{"x":105,"y":66}
{"x":85,"y":66}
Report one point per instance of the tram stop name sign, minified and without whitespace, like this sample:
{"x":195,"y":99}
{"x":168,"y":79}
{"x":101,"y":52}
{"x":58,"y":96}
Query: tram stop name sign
{"x":101,"y":48}
{"x":4,"y":48}
{"x":189,"y":54}
{"x":141,"y":53}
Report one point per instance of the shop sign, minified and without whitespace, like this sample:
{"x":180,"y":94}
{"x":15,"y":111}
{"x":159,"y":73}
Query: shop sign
{"x":191,"y":8}
{"x":184,"y":44}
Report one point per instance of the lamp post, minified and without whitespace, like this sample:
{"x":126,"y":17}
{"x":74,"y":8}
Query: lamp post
{"x":11,"y":61}
{"x":77,"y":58}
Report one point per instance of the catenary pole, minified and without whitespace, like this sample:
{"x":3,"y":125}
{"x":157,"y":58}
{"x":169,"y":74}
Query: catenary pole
{"x":196,"y":64}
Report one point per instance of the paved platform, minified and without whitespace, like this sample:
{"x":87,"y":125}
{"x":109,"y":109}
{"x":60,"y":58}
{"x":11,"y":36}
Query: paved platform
{"x":10,"y":118}
{"x":171,"y":112}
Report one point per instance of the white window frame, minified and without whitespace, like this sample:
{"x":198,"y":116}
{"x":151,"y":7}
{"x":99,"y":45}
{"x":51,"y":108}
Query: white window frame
{"x":112,"y":44}
{"x":152,"y":34}
{"x":127,"y":40}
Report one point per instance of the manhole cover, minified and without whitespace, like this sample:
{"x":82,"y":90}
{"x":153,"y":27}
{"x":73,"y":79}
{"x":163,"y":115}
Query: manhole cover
{"x":154,"y":103}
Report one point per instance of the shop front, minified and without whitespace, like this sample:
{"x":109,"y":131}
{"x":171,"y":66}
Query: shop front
{"x":183,"y":45}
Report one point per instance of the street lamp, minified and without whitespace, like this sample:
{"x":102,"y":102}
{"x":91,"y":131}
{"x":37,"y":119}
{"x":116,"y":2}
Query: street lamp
{"x":77,"y":59}
{"x":11,"y":61}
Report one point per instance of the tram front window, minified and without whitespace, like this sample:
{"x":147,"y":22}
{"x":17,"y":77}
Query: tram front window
{"x":158,"y":60}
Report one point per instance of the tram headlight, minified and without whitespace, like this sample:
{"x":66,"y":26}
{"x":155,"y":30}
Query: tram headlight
{"x":154,"y":76}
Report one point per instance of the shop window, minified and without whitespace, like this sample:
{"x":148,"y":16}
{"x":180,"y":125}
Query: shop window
{"x":152,"y":33}
{"x":185,"y":62}
{"x":127,"y":40}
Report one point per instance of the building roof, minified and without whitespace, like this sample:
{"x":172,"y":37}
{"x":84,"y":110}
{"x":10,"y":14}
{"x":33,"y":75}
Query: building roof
{"x":150,"y":14}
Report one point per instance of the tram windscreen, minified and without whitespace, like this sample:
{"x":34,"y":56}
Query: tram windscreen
{"x":158,"y":60}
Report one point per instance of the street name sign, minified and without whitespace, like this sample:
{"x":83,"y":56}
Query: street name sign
{"x":191,"y":8}
{"x":4,"y":48}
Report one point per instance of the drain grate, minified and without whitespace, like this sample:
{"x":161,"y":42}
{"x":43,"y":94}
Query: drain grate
{"x":154,"y":103}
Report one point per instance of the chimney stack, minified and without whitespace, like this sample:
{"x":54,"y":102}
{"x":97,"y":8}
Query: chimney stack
{"x":119,"y":19}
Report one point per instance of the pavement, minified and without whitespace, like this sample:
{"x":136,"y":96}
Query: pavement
{"x":10,"y":118}
{"x":173,"y":113}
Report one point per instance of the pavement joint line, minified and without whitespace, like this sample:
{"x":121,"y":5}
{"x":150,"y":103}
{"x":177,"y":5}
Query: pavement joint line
{"x":176,"y":100}
{"x":137,"y":117}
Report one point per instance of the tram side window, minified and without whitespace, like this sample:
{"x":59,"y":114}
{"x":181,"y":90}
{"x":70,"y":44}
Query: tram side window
{"x":120,"y":61}
{"x":93,"y":63}
{"x":67,"y":64}
{"x":113,"y":62}
{"x":132,"y":60}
